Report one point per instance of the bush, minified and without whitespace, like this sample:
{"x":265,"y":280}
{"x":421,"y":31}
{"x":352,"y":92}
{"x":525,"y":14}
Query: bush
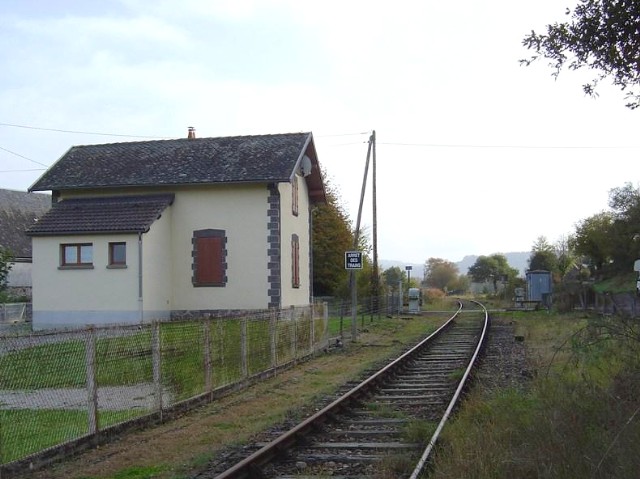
{"x":433,"y":294}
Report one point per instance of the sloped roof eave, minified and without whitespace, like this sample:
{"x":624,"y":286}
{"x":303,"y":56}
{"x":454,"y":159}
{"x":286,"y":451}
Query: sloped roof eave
{"x":161,"y":185}
{"x":89,"y":232}
{"x":102,"y":215}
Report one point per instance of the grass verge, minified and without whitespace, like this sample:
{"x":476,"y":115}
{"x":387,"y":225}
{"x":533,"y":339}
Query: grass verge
{"x":578,"y":418}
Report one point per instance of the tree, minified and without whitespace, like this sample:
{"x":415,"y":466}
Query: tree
{"x":625,"y":201}
{"x":492,"y":268}
{"x":440,"y":273}
{"x":624,"y":237}
{"x":610,"y":241}
{"x":332,"y":236}
{"x":566,"y":257}
{"x":6,"y":259}
{"x":592,"y":239}
{"x":602,"y":35}
{"x":460,"y":284}
{"x":393,"y":276}
{"x":543,"y":256}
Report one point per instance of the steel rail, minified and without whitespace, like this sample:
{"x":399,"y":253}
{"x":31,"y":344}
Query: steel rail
{"x":247,"y":466}
{"x":452,"y":404}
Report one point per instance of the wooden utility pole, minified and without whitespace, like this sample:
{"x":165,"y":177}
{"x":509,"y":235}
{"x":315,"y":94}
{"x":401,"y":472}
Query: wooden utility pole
{"x":356,"y":239}
{"x":375,"y":279}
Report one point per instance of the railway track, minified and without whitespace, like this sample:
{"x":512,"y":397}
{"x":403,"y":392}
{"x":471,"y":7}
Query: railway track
{"x":378,"y":428}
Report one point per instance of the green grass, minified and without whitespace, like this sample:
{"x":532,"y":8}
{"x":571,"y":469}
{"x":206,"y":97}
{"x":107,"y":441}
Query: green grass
{"x":625,"y":283}
{"x":50,"y":366}
{"x":577,"y":418}
{"x":127,"y":360}
{"x":32,"y":430}
{"x":419,"y":431}
{"x":137,"y":472}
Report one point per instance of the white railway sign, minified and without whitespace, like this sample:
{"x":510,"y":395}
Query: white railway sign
{"x":353,"y":260}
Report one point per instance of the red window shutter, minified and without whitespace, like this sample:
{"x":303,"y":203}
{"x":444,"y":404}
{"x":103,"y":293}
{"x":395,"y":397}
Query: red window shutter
{"x":295,"y":261}
{"x":209,"y":268}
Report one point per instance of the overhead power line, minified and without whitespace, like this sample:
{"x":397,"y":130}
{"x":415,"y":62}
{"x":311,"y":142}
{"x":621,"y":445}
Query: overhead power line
{"x":345,"y":134}
{"x":24,"y":157}
{"x":78,"y":132}
{"x":532,"y":147}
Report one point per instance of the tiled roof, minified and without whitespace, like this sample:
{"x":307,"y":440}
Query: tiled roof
{"x":115,"y":214}
{"x":262,"y":158}
{"x":18,"y":211}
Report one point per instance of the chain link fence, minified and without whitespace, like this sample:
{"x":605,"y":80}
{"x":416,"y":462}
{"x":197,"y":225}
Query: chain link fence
{"x":62,"y":386}
{"x":14,"y":312}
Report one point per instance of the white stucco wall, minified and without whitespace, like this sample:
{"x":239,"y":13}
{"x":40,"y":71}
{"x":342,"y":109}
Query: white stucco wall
{"x":77,"y":297}
{"x":299,"y":225}
{"x":242,"y":212}
{"x":157,"y":269}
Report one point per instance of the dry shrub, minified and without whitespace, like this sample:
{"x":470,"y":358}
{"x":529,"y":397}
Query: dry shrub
{"x":434,"y":294}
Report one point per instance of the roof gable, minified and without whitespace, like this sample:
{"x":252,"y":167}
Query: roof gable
{"x":18,"y":211}
{"x":262,"y":158}
{"x":101,"y":215}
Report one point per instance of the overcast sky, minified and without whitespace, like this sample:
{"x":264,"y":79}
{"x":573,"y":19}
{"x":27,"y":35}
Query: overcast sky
{"x":475,"y":154}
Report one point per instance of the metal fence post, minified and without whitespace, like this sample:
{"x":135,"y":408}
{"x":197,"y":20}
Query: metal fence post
{"x":294,"y":336}
{"x":244,"y":348}
{"x":92,"y":386}
{"x":273,"y":324}
{"x":157,"y":370}
{"x":325,"y":318}
{"x":312,"y":333}
{"x":208,"y":372}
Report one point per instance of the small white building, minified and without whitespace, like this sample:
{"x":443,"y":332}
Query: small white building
{"x":175,"y":228}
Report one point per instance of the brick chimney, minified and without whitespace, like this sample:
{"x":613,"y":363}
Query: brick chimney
{"x":192,"y":133}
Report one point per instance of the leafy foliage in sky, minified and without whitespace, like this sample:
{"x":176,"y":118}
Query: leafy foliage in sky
{"x":602,"y":35}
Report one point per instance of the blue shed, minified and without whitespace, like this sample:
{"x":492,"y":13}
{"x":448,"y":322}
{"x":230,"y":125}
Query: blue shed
{"x":539,"y":286}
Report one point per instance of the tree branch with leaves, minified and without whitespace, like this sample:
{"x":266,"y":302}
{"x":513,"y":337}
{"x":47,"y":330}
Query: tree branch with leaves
{"x":602,"y":35}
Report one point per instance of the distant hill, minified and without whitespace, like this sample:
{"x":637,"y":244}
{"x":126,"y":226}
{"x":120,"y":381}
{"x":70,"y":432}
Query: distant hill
{"x":516,"y":260}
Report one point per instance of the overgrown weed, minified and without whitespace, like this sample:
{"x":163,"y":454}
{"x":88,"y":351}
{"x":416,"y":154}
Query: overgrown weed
{"x":579,"y":419}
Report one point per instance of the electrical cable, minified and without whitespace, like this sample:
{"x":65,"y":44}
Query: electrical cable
{"x":13,"y":125}
{"x":24,"y":157}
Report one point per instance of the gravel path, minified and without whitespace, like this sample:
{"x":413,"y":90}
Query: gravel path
{"x":111,"y":398}
{"x":505,"y":362}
